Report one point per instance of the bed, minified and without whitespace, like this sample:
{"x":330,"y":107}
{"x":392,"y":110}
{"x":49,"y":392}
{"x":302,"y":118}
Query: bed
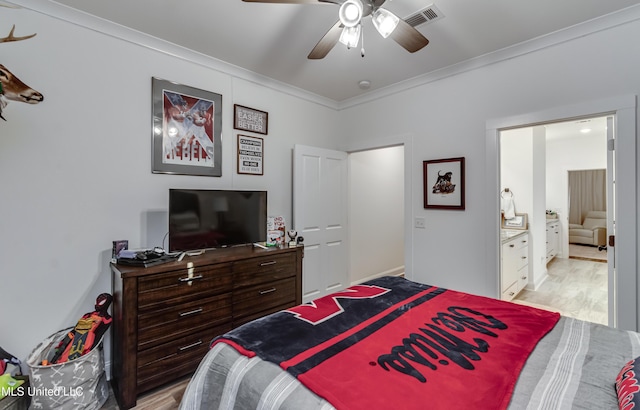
{"x":394,"y":343}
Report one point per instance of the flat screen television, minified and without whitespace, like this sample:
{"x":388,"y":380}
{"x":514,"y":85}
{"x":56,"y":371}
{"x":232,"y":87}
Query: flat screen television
{"x":202,"y":218}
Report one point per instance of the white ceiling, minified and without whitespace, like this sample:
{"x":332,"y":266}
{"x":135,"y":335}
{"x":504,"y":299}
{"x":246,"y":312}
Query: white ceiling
{"x":274,"y":39}
{"x":577,"y":128}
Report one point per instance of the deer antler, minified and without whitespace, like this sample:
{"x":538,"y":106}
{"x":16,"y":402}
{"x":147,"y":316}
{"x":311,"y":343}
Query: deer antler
{"x":11,"y":37}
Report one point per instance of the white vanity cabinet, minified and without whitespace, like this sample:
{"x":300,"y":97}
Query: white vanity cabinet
{"x":514,"y":264}
{"x":553,"y":239}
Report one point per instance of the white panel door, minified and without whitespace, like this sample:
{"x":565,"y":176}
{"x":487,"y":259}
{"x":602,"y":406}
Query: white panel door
{"x":320,"y":216}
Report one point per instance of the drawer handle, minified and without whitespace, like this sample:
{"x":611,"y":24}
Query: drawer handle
{"x":524,"y":277}
{"x":511,"y":293}
{"x":512,"y":245}
{"x":189,"y":279}
{"x":524,"y":257}
{"x":192,"y":345}
{"x":191,"y":312}
{"x":268,"y":263}
{"x":264,"y":292}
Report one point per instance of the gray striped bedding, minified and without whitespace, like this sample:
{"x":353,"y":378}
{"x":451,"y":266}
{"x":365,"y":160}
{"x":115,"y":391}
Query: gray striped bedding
{"x":573,"y":367}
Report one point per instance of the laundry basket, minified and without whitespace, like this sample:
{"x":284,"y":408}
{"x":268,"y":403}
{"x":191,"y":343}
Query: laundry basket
{"x":76,"y":384}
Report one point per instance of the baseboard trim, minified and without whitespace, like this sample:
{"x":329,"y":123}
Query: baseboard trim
{"x":398,"y":271}
{"x":588,"y":259}
{"x":537,"y":284}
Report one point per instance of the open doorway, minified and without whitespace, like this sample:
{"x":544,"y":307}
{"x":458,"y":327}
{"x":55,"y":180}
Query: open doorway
{"x":376,"y":213}
{"x":623,"y":259}
{"x":535,"y":165}
{"x":324,"y":187}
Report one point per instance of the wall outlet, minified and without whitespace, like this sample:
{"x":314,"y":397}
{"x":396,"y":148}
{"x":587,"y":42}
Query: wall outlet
{"x":419,"y":222}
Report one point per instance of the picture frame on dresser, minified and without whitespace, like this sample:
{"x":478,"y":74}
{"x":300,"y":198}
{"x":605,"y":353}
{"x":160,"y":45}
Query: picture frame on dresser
{"x":186,"y":130}
{"x":519,"y":221}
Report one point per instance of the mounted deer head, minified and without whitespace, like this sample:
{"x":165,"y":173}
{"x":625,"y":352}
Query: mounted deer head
{"x":11,"y":88}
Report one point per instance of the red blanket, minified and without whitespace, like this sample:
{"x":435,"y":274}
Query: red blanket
{"x":393,"y":343}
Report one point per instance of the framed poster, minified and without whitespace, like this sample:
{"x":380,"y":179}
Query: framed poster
{"x":250,"y":119}
{"x":250,"y":155}
{"x":186,"y":130}
{"x":444,"y":183}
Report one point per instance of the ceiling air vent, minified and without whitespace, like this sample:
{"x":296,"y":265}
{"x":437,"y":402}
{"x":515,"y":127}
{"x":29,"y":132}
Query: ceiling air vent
{"x":428,"y":14}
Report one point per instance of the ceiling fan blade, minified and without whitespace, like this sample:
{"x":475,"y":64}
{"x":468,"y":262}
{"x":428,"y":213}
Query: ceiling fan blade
{"x":326,"y":43}
{"x":408,"y":37}
{"x":295,"y":1}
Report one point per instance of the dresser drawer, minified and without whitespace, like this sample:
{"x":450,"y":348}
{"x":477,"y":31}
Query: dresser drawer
{"x":166,"y":316}
{"x":263,"y":297}
{"x":263,"y":269}
{"x":158,"y":291}
{"x":168,"y":361}
{"x":163,"y":325}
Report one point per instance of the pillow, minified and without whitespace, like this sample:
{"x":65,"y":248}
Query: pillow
{"x":628,"y":386}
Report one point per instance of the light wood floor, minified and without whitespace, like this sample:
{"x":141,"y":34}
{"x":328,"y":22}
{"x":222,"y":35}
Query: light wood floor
{"x":165,"y":398}
{"x":587,"y":252}
{"x":575,"y":287}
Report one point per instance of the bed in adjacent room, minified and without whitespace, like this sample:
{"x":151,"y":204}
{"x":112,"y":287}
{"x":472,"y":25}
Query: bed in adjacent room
{"x":394,"y":343}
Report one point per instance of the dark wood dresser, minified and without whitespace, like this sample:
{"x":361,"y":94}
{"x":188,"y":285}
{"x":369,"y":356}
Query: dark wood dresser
{"x":166,"y":315}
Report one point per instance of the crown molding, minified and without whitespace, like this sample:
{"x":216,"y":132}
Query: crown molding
{"x":109,"y":28}
{"x":82,"y":19}
{"x":621,"y":17}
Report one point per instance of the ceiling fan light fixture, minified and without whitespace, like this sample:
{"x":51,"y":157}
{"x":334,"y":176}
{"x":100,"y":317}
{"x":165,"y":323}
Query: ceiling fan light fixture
{"x":350,"y":36}
{"x":350,"y":13}
{"x":384,"y":21}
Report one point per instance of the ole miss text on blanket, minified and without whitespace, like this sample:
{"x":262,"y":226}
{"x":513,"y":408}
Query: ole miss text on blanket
{"x":394,"y":343}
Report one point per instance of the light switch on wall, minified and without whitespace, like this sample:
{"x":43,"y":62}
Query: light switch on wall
{"x":419,"y":222}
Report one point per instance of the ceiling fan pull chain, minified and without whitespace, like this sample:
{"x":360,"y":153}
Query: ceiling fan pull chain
{"x":362,"y":39}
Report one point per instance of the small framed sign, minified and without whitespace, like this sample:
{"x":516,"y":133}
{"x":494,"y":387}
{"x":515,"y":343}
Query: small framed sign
{"x":249,"y":119}
{"x":250,"y":155}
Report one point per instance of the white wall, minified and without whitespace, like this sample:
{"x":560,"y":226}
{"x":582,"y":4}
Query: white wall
{"x":538,"y":221}
{"x":516,"y":167}
{"x":522,"y":170}
{"x":76,"y":168}
{"x":447,"y":118}
{"x":376,"y":213}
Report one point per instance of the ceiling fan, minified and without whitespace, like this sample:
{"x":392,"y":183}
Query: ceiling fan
{"x":348,"y":28}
